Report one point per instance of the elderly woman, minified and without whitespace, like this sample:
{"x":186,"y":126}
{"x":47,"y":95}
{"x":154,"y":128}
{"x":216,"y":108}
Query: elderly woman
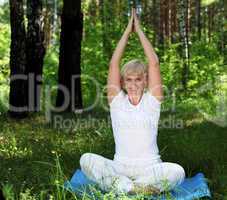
{"x":134,"y":96}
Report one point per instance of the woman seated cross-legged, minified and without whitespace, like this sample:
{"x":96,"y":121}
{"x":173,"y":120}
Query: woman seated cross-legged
{"x":134,"y":96}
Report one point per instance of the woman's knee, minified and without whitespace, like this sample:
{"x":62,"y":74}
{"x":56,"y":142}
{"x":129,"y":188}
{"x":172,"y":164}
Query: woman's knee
{"x":174,"y":172}
{"x":180,"y":171}
{"x":91,"y":160}
{"x":85,"y":160}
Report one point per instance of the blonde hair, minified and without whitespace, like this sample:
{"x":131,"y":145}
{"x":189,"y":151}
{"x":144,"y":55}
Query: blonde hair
{"x":133,"y":67}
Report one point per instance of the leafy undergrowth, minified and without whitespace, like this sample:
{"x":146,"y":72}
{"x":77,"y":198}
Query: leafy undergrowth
{"x":37,"y":157}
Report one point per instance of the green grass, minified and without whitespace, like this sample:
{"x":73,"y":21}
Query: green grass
{"x":36,"y":158}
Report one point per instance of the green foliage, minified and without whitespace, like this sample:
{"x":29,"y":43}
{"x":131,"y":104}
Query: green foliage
{"x":208,"y":2}
{"x":4,"y":13}
{"x":51,"y":61}
{"x":171,"y":67}
{"x":10,"y":148}
{"x":205,"y":59}
{"x":4,"y":96}
{"x":4,"y":50}
{"x":8,"y":192}
{"x":54,"y":152}
{"x":94,"y":67}
{"x":4,"y":65}
{"x":205,"y":65}
{"x":36,"y":157}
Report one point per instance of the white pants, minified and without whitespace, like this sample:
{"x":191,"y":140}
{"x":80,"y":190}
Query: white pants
{"x":110,"y":174}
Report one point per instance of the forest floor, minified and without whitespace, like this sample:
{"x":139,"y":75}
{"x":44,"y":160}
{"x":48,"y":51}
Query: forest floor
{"x":35,"y":153}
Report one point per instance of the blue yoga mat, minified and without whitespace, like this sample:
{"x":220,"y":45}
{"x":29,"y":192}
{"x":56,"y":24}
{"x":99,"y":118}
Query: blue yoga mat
{"x":192,"y":188}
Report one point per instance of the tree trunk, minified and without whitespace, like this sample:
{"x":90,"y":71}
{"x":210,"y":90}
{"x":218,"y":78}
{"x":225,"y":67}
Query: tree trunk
{"x":18,"y":73}
{"x":173,"y":21}
{"x":161,"y":23}
{"x":155,"y":19}
{"x":35,"y":52}
{"x":210,"y":21}
{"x":198,"y":18}
{"x":165,"y":18}
{"x":69,"y":59}
{"x":183,"y":30}
{"x":205,"y":25}
{"x":224,"y":32}
{"x":50,"y":15}
{"x":107,"y":32}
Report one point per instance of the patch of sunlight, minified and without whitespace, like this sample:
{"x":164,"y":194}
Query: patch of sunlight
{"x":9,"y":148}
{"x":2,"y":2}
{"x":214,"y":108}
{"x":4,"y":98}
{"x":196,"y":120}
{"x":208,"y":2}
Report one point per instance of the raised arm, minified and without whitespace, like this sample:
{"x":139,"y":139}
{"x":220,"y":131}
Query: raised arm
{"x":114,"y":77}
{"x":154,"y":75}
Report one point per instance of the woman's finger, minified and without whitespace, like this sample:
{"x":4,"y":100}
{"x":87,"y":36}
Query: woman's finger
{"x":134,"y":12}
{"x":135,"y":15}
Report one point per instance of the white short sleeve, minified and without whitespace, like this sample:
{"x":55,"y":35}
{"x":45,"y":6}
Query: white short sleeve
{"x":117,"y":100}
{"x":152,"y":102}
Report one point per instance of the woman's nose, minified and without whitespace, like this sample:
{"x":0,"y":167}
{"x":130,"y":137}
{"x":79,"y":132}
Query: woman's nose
{"x":134,"y":86}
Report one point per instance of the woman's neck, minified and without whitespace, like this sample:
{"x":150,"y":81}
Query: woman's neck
{"x":135,"y":99}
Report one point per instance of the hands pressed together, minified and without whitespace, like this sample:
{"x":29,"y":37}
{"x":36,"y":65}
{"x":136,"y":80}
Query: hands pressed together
{"x":134,"y":24}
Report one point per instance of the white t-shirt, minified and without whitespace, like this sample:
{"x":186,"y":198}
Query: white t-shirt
{"x":135,"y":128}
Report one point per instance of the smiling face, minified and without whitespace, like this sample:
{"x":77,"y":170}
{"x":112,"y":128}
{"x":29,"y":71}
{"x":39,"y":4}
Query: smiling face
{"x":134,"y":78}
{"x":134,"y":84}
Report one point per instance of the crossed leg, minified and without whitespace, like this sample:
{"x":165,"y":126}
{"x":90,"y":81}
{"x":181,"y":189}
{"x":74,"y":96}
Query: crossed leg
{"x":163,"y":176}
{"x":104,"y":172}
{"x":158,"y":177}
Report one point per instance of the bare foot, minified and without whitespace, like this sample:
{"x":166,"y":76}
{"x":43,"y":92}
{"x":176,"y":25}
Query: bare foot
{"x":144,"y":189}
